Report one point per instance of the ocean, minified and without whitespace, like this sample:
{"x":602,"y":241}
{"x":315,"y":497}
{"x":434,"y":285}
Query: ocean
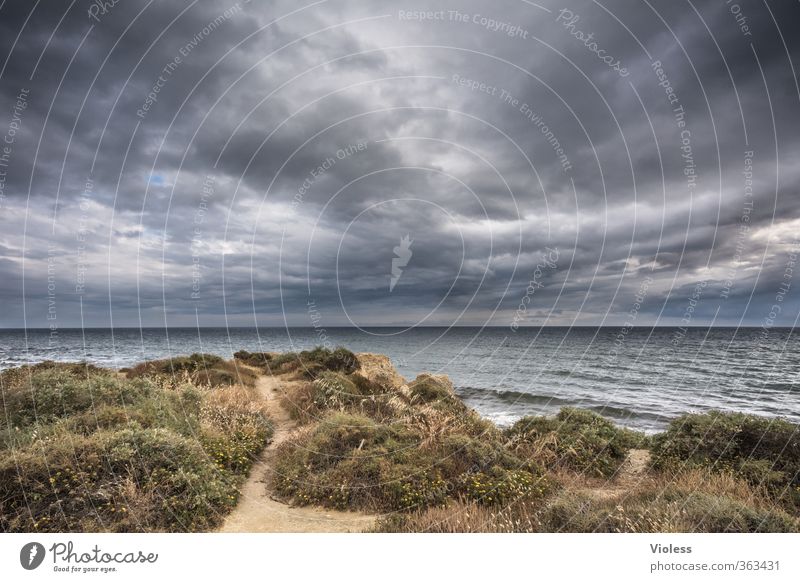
{"x":640,"y":377}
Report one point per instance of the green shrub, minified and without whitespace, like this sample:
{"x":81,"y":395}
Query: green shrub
{"x":339,"y":360}
{"x":427,"y":388}
{"x":765,"y":451}
{"x":579,"y":440}
{"x":502,"y":486}
{"x":47,"y":394}
{"x":105,"y":417}
{"x":335,"y":391}
{"x":127,"y":480}
{"x":80,"y":370}
{"x":200,"y":369}
{"x":104,"y":453}
{"x":311,"y":363}
{"x":352,"y":461}
{"x":348,"y":460}
{"x":261,"y":360}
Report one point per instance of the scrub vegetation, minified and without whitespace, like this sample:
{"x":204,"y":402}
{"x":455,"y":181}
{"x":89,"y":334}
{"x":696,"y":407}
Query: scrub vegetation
{"x":162,"y":447}
{"x":167,"y":445}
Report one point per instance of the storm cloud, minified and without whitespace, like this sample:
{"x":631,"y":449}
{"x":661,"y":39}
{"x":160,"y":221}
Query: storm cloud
{"x":221,"y":163}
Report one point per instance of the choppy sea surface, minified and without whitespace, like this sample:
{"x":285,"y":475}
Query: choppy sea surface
{"x":640,"y":379}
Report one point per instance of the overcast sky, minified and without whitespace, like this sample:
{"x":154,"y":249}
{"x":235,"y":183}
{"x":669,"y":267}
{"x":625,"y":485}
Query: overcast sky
{"x":580,"y":163}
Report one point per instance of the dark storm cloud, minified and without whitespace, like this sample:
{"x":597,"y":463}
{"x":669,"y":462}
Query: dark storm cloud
{"x":230,"y":162}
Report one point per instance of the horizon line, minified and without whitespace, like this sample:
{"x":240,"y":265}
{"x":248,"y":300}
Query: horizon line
{"x":350,"y":327}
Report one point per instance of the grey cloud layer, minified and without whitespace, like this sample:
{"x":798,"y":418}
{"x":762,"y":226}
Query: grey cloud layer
{"x":237,"y":192}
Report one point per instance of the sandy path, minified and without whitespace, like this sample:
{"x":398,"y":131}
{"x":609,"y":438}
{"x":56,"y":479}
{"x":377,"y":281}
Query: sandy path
{"x":257,"y":512}
{"x":631,"y":474}
{"x":635,"y":467}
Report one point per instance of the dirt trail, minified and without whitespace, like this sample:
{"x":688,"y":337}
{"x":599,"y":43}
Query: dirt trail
{"x":632,"y":472}
{"x":635,"y":467}
{"x":257,"y":511}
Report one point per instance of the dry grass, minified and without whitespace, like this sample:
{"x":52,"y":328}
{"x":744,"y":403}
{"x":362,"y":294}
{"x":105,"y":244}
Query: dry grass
{"x":298,"y":401}
{"x":764,"y":451}
{"x":198,"y":369}
{"x":234,"y":427}
{"x":309,"y":401}
{"x":578,"y":440}
{"x":230,"y":409}
{"x":464,"y":516}
{"x":697,"y":500}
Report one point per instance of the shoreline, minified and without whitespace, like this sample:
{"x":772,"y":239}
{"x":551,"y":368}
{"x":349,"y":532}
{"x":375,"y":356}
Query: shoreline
{"x":499,"y":394}
{"x":516,"y":410}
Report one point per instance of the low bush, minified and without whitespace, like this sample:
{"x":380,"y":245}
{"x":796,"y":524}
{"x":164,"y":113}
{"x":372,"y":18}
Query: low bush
{"x":45,"y":394}
{"x":577,"y":440}
{"x":764,"y":451}
{"x":199,"y":369}
{"x":235,"y":428}
{"x":502,"y":486}
{"x":129,"y":480}
{"x":299,"y":402}
{"x":335,"y":391}
{"x":310,"y":400}
{"x":80,"y":370}
{"x":105,"y":453}
{"x":260,"y":360}
{"x":427,"y":388}
{"x":352,"y":461}
{"x":311,"y":363}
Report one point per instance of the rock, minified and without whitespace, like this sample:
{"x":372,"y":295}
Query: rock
{"x":378,"y":368}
